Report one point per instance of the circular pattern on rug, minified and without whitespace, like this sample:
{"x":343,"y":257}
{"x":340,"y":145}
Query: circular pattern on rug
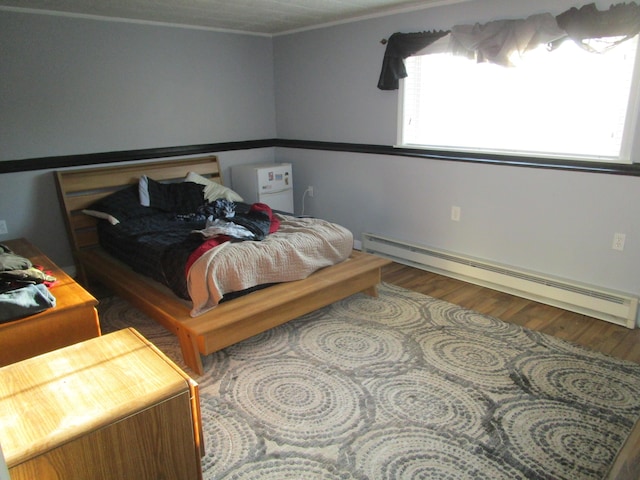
{"x":228,"y":439}
{"x":290,"y":466}
{"x":270,"y":343}
{"x":580,"y":380}
{"x":215,"y":366}
{"x":557,"y":441}
{"x":450,"y":315}
{"x":469,"y":357}
{"x":295,"y":401}
{"x":361,"y":348}
{"x":559,"y":345}
{"x":395,"y":307}
{"x":368,"y":408}
{"x":408,"y":452}
{"x":427,"y":399}
{"x":116,"y":314}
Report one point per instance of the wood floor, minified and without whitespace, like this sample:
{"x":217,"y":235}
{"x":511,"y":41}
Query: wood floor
{"x":596,"y":334}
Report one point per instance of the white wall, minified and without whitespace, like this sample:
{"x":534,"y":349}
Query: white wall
{"x":560,"y":223}
{"x":73,"y":86}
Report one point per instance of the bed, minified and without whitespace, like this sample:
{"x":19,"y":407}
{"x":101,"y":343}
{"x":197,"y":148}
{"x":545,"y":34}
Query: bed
{"x":215,"y":327}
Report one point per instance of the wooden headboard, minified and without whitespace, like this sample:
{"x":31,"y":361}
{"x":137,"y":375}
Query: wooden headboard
{"x":79,"y":188}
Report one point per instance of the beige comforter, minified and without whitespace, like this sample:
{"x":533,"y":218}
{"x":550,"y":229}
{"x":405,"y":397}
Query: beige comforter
{"x":300,"y":247}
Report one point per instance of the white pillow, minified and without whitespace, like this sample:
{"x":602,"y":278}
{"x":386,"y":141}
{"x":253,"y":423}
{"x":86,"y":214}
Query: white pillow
{"x":213,"y":190}
{"x":94,"y":213}
{"x":143,"y":191}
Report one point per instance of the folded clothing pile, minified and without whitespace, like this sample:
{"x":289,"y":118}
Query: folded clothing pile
{"x":24,"y":288}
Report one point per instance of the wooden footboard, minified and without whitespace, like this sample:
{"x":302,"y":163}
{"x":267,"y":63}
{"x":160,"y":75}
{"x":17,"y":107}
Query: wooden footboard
{"x":238,"y":319}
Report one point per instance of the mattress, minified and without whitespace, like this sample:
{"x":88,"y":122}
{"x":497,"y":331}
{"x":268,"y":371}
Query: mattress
{"x":161,"y":246}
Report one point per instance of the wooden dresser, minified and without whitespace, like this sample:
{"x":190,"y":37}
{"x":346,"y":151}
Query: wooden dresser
{"x":113,"y":407}
{"x":72,"y":320}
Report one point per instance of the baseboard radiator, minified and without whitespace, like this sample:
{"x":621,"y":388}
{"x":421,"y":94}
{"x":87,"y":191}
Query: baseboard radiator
{"x":612,"y":306}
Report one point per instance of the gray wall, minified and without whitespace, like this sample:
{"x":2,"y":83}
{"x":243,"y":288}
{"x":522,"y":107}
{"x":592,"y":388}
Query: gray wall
{"x":560,"y":223}
{"x":73,"y":86}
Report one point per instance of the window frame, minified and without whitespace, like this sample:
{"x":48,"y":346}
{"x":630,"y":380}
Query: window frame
{"x":630,"y":146}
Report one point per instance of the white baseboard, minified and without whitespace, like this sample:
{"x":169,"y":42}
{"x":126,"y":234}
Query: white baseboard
{"x":616,"y":307}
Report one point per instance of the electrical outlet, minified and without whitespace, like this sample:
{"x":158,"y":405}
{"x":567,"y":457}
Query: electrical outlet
{"x":618,"y":241}
{"x":310,"y":190}
{"x":3,"y":228}
{"x":455,"y":213}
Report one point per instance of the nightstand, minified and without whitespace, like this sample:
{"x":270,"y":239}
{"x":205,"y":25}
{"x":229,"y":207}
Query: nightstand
{"x":72,"y":320}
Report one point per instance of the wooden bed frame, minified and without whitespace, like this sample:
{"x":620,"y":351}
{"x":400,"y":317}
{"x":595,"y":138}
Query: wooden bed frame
{"x":228,"y":323}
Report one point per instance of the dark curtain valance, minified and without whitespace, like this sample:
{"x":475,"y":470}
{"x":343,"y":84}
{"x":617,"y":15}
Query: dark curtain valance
{"x":622,"y":20}
{"x":399,"y":47}
{"x":496,"y":41}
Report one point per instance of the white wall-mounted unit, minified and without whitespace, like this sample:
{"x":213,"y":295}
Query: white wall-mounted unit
{"x":615,"y":307}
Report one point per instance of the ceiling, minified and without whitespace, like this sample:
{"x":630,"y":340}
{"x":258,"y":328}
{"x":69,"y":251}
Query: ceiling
{"x":266,"y":17}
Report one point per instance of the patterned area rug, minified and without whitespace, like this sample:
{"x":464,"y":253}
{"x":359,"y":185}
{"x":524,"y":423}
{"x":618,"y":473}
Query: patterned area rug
{"x":404,"y":386}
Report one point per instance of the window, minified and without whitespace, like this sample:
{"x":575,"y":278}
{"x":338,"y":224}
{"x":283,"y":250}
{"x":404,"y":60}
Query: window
{"x":564,"y":103}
